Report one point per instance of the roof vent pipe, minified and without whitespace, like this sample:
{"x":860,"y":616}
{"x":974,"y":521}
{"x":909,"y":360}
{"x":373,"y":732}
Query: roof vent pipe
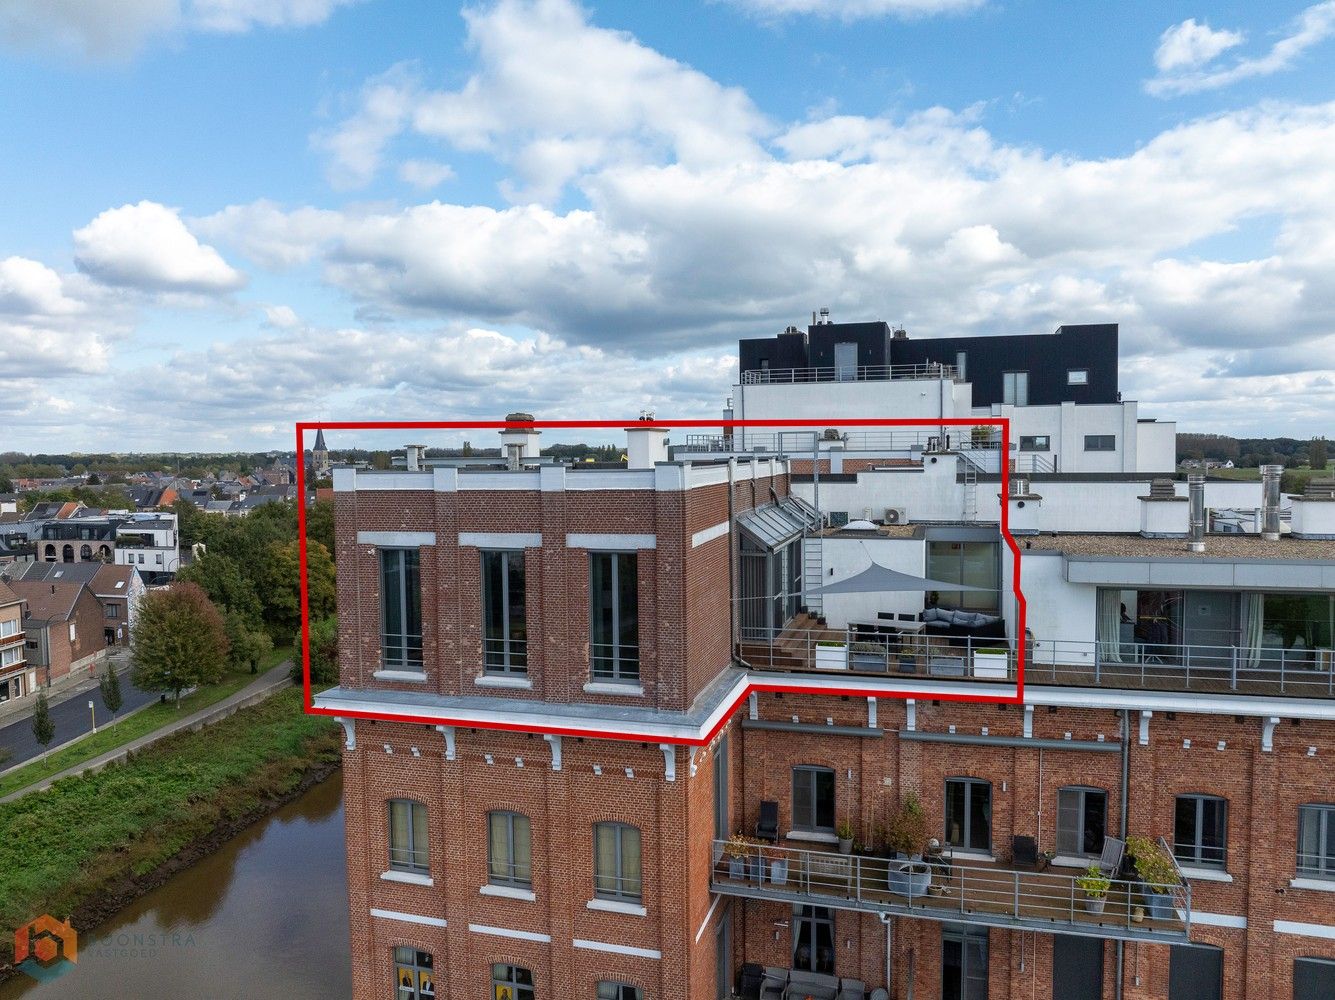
{"x":414,"y":454}
{"x":1196,"y":512}
{"x":1270,"y":501}
{"x":514,"y":451}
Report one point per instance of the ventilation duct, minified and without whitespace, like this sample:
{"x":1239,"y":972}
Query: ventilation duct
{"x":1196,"y":512}
{"x":1270,"y":501}
{"x":414,"y":454}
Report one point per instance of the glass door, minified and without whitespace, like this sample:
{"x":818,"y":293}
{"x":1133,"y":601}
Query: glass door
{"x":963,"y":962}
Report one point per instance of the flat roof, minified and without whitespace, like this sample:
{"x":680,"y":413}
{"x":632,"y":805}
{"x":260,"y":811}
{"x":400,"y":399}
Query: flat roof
{"x":1221,"y":546}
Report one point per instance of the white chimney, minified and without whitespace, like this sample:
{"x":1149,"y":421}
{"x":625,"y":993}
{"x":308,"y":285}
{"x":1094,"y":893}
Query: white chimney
{"x":647,"y":444}
{"x":1270,"y":501}
{"x":1196,"y":512}
{"x":414,"y":454}
{"x":525,"y":437}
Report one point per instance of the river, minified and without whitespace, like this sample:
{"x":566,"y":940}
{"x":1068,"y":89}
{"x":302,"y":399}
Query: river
{"x":265,"y":916}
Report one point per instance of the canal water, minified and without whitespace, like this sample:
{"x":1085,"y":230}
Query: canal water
{"x":266,"y":916}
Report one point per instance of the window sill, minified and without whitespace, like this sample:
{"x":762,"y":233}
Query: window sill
{"x":409,"y":878}
{"x":409,"y":676}
{"x":1315,"y":884}
{"x":1205,"y":874}
{"x":616,"y":906}
{"x":811,"y":836}
{"x":612,"y":687}
{"x":516,"y":682}
{"x":508,"y":892}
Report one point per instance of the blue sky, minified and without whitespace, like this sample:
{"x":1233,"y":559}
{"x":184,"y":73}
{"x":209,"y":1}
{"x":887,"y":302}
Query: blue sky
{"x":223,"y":216}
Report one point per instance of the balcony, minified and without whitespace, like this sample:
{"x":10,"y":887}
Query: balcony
{"x":961,"y":891}
{"x":849,"y":373}
{"x":905,"y":650}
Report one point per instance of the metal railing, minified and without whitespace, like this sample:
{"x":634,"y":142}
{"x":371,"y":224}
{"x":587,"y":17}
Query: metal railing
{"x":954,"y":889}
{"x":615,"y":662}
{"x":848,"y":373}
{"x":505,"y":655}
{"x":853,"y":440}
{"x":1150,"y":666}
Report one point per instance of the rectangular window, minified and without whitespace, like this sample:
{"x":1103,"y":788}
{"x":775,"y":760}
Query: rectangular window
{"x":8,"y":628}
{"x":1015,"y":388}
{"x":1038,"y":442}
{"x":1077,"y":376}
{"x":962,"y":365}
{"x":407,"y":836}
{"x":618,"y":991}
{"x":813,"y":799}
{"x":9,"y":657}
{"x":1316,"y":841}
{"x":414,"y":975}
{"x":511,"y":982}
{"x":400,"y":609}
{"x":504,"y":625}
{"x":969,"y":814}
{"x":963,"y":962}
{"x":974,"y":564}
{"x":1082,"y":816}
{"x":614,"y":628}
{"x":112,"y":611}
{"x":813,"y":940}
{"x":616,"y":862}
{"x":1313,"y":979}
{"x":509,"y":849}
{"x":1100,"y":442}
{"x":1200,"y":826}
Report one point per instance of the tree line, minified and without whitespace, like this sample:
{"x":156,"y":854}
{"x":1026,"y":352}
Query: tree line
{"x":1248,"y":453}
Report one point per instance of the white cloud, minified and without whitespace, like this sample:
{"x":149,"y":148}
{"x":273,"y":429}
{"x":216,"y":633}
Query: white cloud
{"x":147,"y":247}
{"x":118,"y":29}
{"x":281,"y":317}
{"x":425,"y":174}
{"x":29,"y":287}
{"x":51,"y":325}
{"x":1187,"y":51}
{"x":851,"y":10}
{"x":1188,"y":45}
{"x":525,"y":106}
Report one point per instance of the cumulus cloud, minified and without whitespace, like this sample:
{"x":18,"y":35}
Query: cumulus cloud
{"x":425,"y":174}
{"x":1187,"y":53}
{"x":118,"y":29}
{"x":525,"y":106}
{"x":51,"y":326}
{"x":147,"y":247}
{"x":851,"y":10}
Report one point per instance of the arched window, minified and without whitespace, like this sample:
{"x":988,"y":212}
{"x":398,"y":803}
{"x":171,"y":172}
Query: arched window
{"x":104,"y":553}
{"x":85,"y":552}
{"x":50,"y":553}
{"x":67,"y":553}
{"x":414,"y":974}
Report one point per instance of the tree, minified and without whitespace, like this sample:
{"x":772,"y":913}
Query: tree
{"x":324,"y":650}
{"x":280,"y":583}
{"x":6,"y":484}
{"x":247,"y":643}
{"x":179,"y":640}
{"x":320,"y":524}
{"x":227,"y":585}
{"x":94,"y":479}
{"x":1316,"y":454}
{"x":43,"y":728}
{"x":110,"y":686}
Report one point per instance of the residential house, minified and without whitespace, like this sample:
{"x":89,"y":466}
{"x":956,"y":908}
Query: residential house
{"x":14,"y":682}
{"x":63,"y":628}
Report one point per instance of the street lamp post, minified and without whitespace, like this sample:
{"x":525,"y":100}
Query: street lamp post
{"x":93,"y":712}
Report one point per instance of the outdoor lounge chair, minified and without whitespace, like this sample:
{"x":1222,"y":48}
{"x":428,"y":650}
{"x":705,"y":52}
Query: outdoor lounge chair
{"x":768,"y":826}
{"x":1110,"y":863}
{"x":1025,"y":856}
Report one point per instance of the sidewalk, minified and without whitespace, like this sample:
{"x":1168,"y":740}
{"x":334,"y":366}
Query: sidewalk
{"x":62,"y":689}
{"x":266,"y":684}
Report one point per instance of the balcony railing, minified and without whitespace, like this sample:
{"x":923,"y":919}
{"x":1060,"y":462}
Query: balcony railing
{"x":848,"y":373}
{"x":958,"y":890}
{"x":1151,"y":666}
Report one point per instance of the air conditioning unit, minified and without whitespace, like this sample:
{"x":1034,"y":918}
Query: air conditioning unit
{"x":838,"y":518}
{"x":896,"y":515}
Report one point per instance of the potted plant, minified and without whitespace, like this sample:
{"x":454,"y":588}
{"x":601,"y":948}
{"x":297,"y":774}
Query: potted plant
{"x":990,"y":662}
{"x":868,"y":656}
{"x":738,"y":849}
{"x":1157,"y":873}
{"x":844,"y":831}
{"x":831,"y":655}
{"x":1095,"y":885}
{"x":906,"y":833}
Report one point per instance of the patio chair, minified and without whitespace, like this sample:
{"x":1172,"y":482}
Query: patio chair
{"x":768,"y":826}
{"x":852,"y":989}
{"x":774,"y":983}
{"x":1110,"y":863}
{"x":1025,"y":856}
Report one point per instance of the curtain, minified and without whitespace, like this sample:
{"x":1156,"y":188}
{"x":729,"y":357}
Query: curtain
{"x":1108,"y":626}
{"x":1252,"y":628}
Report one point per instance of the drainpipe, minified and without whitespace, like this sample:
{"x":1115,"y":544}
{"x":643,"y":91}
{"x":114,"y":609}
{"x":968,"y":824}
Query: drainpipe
{"x":1121,"y":826}
{"x":732,"y":568}
{"x":889,"y":922}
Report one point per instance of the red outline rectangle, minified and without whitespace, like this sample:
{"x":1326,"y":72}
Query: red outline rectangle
{"x":1021,"y":608}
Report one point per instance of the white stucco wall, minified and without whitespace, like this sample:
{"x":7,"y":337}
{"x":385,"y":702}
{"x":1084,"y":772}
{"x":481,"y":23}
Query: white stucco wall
{"x":849,"y":556}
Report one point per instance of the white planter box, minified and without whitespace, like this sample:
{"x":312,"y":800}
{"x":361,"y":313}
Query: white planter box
{"x":991,"y":665}
{"x":832,"y":657}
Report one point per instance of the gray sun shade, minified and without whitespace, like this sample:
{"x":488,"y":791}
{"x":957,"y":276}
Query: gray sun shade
{"x":877,"y":578}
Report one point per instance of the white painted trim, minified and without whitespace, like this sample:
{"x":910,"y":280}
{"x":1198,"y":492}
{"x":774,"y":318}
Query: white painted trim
{"x":1204,"y":874}
{"x":504,"y":681}
{"x":394,"y":480}
{"x":811,"y":837}
{"x":1315,"y":884}
{"x":1306,"y":930}
{"x":709,"y":534}
{"x":410,"y":878}
{"x":987,"y":856}
{"x":408,"y":676}
{"x":1218,"y":920}
{"x":505,"y":932}
{"x":611,"y":687}
{"x":409,"y":918}
{"x":610,"y":542}
{"x":616,"y":906}
{"x":617,"y":949}
{"x":396,"y":539}
{"x":507,"y":892}
{"x":507,"y":480}
{"x":501,"y":539}
{"x":708,"y":917}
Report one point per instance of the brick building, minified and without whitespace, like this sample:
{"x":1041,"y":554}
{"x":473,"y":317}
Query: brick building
{"x":63,"y":629}
{"x":13,"y":662}
{"x":607,"y":728}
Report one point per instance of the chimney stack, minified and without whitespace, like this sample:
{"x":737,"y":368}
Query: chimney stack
{"x":414,"y":453}
{"x":524,"y":438}
{"x":647,"y":445}
{"x":1196,"y":512}
{"x":1270,"y":501}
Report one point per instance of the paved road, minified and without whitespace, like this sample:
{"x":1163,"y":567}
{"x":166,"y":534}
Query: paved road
{"x":71,"y":717}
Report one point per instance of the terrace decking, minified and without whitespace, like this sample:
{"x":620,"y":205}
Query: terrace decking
{"x":966,"y":890}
